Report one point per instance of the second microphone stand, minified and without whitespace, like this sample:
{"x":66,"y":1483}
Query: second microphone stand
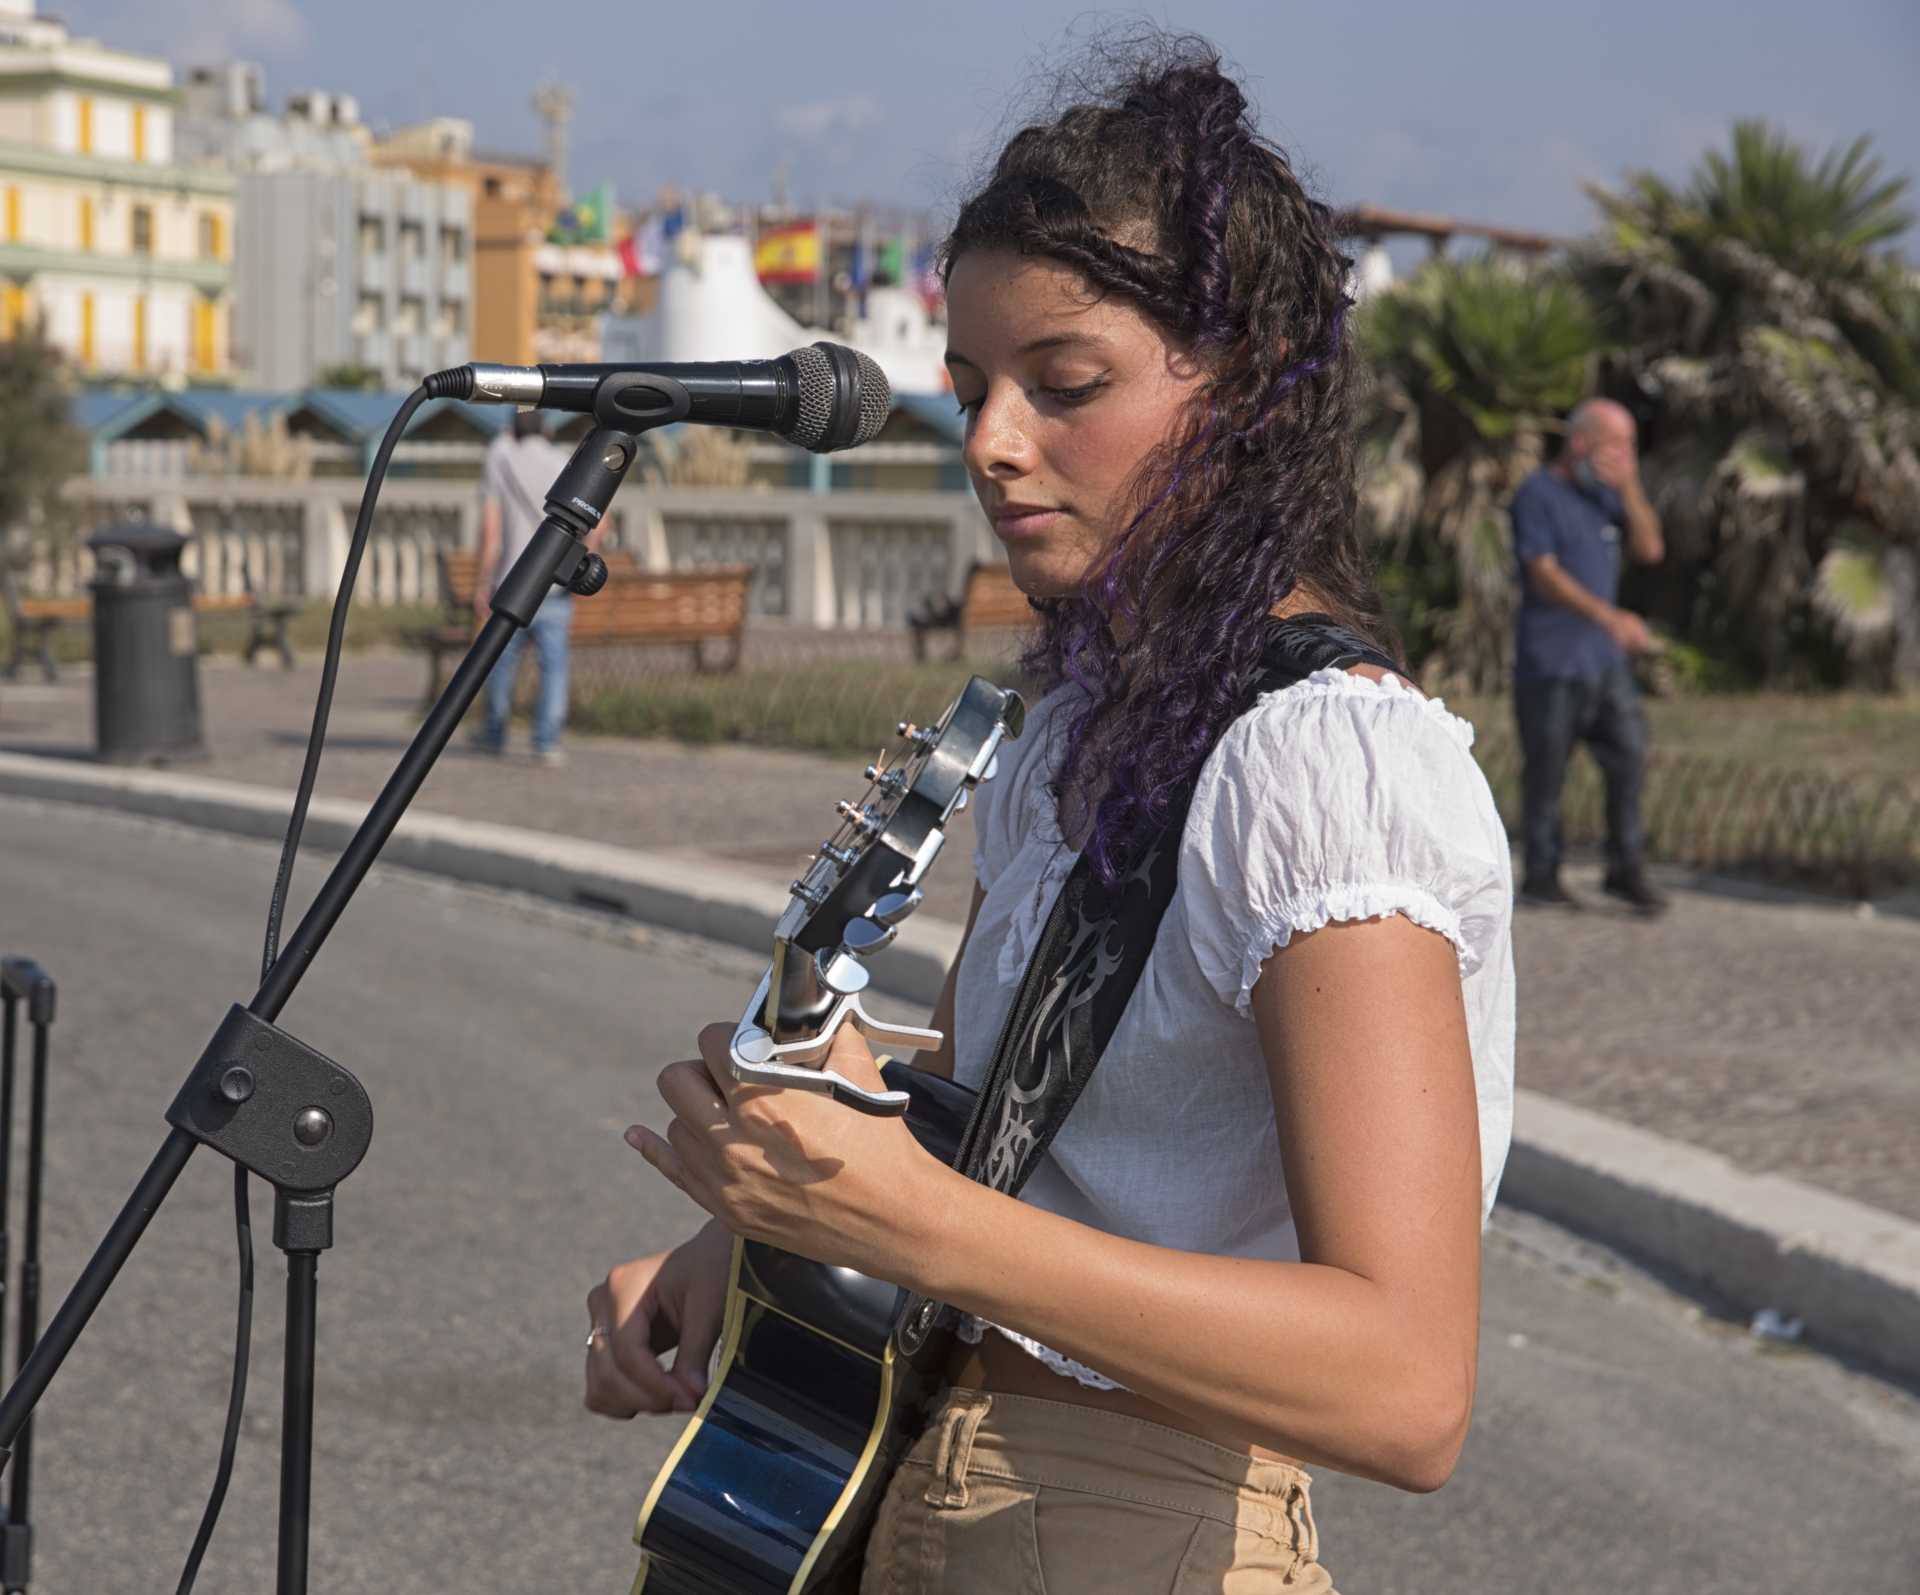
{"x":274,"y":1105}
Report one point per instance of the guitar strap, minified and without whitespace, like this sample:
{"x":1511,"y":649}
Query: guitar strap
{"x":1093,"y":948}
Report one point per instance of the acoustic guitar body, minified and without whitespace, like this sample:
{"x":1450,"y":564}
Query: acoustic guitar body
{"x":825,"y":1378}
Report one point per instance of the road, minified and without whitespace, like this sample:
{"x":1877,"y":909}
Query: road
{"x":1624,"y":1439}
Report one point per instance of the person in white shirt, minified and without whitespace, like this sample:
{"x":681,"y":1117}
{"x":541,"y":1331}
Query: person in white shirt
{"x":521,"y":465}
{"x":1254,"y":1244}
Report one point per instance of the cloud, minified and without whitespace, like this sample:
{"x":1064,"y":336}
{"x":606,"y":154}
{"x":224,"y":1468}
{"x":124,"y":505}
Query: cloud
{"x":825,"y":118}
{"x":199,"y":32}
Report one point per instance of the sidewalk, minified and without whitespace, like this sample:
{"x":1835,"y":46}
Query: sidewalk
{"x":1780,"y":1035}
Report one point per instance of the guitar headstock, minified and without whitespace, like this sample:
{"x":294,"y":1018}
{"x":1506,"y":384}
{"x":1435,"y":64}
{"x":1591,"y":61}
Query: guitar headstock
{"x":861,"y":884}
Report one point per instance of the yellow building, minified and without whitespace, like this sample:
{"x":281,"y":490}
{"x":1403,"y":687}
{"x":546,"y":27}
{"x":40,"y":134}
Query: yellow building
{"x":532,"y":300}
{"x":123,"y":253}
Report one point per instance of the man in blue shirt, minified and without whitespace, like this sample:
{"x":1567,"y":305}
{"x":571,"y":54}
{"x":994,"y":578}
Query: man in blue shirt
{"x":1573,"y":680}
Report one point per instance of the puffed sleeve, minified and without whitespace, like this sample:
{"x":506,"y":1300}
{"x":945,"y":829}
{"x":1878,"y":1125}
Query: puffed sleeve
{"x":1340,"y":799}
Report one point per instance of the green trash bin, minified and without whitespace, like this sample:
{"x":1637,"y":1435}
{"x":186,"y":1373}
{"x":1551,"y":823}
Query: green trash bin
{"x":146,"y":667}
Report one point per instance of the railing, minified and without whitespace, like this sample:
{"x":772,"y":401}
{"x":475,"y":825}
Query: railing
{"x":826,"y":560}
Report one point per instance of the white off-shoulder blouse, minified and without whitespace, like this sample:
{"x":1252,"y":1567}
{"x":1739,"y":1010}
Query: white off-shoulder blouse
{"x":1336,"y":798}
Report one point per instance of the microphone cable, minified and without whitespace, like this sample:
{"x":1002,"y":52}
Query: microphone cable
{"x":302,"y":798}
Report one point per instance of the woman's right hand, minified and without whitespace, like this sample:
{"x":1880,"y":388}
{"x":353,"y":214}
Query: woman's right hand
{"x":648,"y":1307}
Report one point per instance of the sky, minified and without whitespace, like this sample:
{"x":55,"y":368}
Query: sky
{"x":1494,"y":112}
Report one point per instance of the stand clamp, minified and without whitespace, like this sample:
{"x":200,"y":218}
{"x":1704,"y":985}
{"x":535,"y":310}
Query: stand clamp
{"x":282,"y":1111}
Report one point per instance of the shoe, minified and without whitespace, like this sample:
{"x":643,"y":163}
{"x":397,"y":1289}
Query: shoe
{"x":1548,"y":893}
{"x":552,"y":758}
{"x":479,"y":742}
{"x":1631,"y":887}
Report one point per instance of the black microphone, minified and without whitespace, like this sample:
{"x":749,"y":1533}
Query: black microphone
{"x":823,"y":397}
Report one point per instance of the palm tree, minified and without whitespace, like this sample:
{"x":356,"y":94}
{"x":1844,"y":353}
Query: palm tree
{"x":1475,"y":363}
{"x":1770,"y":343}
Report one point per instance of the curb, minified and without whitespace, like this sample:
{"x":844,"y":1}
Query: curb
{"x":1850,"y":1271}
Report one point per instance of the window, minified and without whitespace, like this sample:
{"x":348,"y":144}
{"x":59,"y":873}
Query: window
{"x":86,"y":329}
{"x":13,"y":309}
{"x":86,"y":125}
{"x":143,"y":229}
{"x":453,"y":244}
{"x":213,"y":236}
{"x":139,"y":132}
{"x":205,"y":334}
{"x":13,"y":215}
{"x":413,"y":241}
{"x":140,"y":332}
{"x":86,"y":223}
{"x":368,"y":314}
{"x":449,"y":323}
{"x":373,"y":235}
{"x":490,"y":187}
{"x":408,"y":320}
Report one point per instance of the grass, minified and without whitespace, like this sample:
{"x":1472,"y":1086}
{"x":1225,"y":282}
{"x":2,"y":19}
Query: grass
{"x":1821,"y":790}
{"x":1842,"y":734}
{"x":370,"y":626}
{"x":839,"y":707}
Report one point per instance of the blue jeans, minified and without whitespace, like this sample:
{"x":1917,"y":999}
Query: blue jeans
{"x":1603,"y":712}
{"x":549,"y":632}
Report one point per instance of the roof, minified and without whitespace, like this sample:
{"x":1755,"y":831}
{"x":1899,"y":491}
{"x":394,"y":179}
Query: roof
{"x":355,"y":415}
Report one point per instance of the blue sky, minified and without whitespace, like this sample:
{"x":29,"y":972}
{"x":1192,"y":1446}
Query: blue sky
{"x":1494,"y":112}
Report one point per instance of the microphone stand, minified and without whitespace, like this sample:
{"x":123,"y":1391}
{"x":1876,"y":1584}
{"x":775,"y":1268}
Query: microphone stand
{"x":276,"y":1106}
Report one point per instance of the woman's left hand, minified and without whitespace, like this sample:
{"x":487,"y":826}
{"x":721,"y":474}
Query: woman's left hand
{"x":795,"y":1168}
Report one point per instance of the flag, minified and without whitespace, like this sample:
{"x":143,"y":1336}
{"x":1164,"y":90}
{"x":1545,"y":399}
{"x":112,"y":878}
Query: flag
{"x":788,"y":254}
{"x":893,"y":261}
{"x":649,"y":248}
{"x":926,"y":278}
{"x":588,"y":220}
{"x":628,"y":249}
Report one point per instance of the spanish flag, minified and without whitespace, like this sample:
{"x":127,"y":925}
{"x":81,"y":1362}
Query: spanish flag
{"x":788,"y":254}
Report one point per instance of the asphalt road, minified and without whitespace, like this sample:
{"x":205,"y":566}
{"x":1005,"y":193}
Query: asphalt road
{"x":1625,"y":1440}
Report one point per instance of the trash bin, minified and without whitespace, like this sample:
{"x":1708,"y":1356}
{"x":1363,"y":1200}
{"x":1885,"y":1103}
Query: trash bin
{"x":146,"y":681}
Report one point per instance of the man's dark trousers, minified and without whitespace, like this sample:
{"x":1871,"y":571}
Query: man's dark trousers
{"x":1555,"y":712}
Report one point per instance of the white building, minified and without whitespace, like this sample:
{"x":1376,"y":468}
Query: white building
{"x":338,"y":262}
{"x":116,"y":245}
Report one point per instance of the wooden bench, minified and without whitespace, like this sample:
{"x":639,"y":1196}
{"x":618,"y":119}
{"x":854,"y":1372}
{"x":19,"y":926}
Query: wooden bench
{"x":635,"y":606}
{"x":990,"y":602}
{"x":266,"y":618}
{"x":34,"y":621}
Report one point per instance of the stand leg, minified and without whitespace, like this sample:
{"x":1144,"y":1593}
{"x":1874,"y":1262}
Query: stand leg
{"x":296,"y":1433}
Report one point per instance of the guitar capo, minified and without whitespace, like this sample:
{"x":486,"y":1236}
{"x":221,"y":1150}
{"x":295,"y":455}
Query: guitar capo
{"x":755,"y":1058}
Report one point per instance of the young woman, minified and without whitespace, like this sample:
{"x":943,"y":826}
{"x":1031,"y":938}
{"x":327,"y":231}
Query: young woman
{"x":1255,"y":1243}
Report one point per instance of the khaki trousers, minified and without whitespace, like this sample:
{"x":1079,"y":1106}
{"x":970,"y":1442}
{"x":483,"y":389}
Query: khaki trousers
{"x":1012,"y":1495}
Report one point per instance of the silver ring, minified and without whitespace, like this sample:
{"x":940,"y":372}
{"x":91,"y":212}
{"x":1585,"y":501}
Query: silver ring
{"x":595,"y":1335}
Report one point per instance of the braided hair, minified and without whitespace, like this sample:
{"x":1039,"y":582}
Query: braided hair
{"x":1159,"y":190}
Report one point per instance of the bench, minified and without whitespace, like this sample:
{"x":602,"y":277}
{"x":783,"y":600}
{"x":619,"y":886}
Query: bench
{"x":266,"y":618}
{"x":990,"y":602}
{"x":634,"y":606}
{"x":34,"y":621}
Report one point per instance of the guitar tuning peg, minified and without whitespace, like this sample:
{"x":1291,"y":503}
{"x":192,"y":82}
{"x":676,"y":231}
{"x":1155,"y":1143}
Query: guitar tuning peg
{"x":864,"y":937}
{"x":896,"y":906}
{"x":840,"y":972}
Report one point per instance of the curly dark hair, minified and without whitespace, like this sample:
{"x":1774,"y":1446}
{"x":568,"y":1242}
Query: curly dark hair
{"x":1157,"y":188}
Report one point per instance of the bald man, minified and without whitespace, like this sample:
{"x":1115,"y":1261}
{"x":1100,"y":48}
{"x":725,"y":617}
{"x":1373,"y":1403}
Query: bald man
{"x":1573,"y":677}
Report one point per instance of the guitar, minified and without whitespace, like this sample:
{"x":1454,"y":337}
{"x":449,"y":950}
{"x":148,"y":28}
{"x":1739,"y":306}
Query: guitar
{"x":825,"y":1376}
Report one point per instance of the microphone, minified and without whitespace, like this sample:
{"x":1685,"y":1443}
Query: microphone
{"x":823,"y":397}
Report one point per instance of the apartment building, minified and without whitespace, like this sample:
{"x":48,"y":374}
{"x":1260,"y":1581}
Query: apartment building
{"x":119,"y":246}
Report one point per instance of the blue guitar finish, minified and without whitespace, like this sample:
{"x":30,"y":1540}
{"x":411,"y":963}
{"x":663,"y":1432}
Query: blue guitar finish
{"x":773,"y":1486}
